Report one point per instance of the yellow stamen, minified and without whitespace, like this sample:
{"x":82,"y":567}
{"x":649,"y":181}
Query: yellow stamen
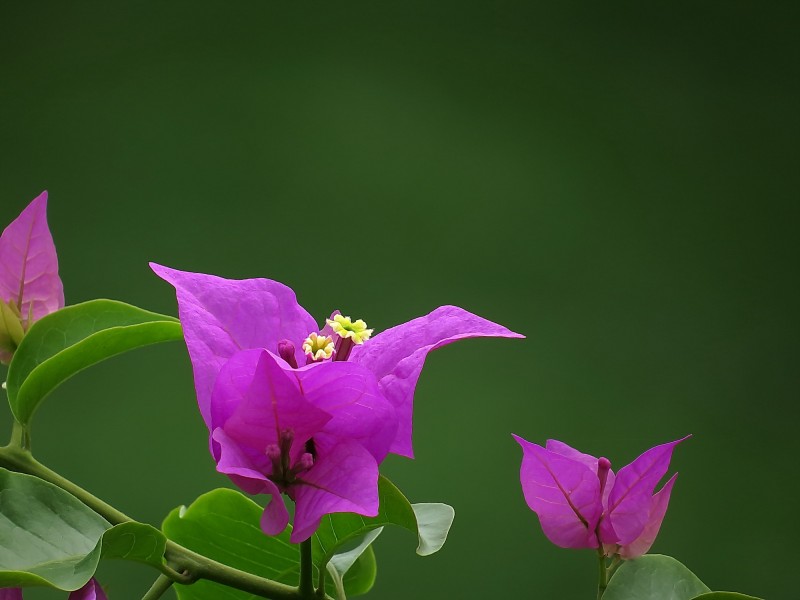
{"x":318,"y":347}
{"x":345,"y":328}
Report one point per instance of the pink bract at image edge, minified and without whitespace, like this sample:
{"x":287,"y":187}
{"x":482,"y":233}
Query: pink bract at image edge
{"x":30,"y":287}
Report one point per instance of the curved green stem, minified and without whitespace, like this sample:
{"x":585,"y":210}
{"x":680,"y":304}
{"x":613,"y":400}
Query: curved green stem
{"x":21,"y":460}
{"x":183,"y":565}
{"x":161,"y":585}
{"x":198,"y":566}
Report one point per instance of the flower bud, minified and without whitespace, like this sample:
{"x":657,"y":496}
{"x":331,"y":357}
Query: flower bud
{"x":286,"y":352}
{"x":304,"y":463}
{"x":603,"y":467}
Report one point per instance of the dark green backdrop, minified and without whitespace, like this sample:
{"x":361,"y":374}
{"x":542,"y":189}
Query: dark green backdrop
{"x":618,"y":182}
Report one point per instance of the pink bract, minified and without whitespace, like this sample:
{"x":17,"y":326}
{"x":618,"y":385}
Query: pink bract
{"x":91,"y":591}
{"x":29,"y":266}
{"x":317,"y":434}
{"x":222,"y":316}
{"x":581,"y":503}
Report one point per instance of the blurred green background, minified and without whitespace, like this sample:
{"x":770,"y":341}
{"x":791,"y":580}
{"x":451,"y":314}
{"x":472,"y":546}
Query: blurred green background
{"x":618,"y":182}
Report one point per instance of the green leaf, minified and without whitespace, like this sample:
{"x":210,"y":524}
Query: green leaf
{"x":430,"y":522}
{"x":135,"y":541}
{"x":47,"y":536}
{"x":73,"y":338}
{"x":50,"y":538}
{"x":225,"y":525}
{"x":654,"y":577}
{"x":434,"y":520}
{"x":724,"y":596}
{"x":340,"y":564}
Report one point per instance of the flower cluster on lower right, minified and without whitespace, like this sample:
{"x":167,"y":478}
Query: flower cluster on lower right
{"x":582,"y":503}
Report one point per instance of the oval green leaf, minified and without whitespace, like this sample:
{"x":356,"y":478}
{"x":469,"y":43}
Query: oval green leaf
{"x":724,"y":596}
{"x":50,"y":538}
{"x":654,"y":577}
{"x":224,"y":525}
{"x":47,"y":536}
{"x":74,"y":338}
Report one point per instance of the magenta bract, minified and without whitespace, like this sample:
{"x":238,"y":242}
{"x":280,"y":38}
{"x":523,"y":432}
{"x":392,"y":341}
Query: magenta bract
{"x":290,"y":411}
{"x":91,"y":591}
{"x":581,"y":503}
{"x":30,"y":287}
{"x":316,"y":433}
{"x":222,"y":316}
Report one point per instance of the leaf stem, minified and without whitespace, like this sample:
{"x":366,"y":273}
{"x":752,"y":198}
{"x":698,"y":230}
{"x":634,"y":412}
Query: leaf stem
{"x":20,"y":437}
{"x":615,"y":563}
{"x":306,"y":588}
{"x":602,"y":573}
{"x":198,"y":566}
{"x":161,"y":585}
{"x":183,"y":565}
{"x":321,"y":582}
{"x":20,"y":460}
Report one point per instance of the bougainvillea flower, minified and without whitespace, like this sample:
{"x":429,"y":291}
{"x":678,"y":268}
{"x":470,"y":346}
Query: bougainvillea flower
{"x":11,"y":594}
{"x":581,"y":503}
{"x":316,"y":433}
{"x":91,"y":591}
{"x":30,"y":287}
{"x":222,"y":316}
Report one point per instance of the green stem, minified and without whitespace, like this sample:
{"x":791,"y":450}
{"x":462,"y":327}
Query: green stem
{"x":306,"y":588}
{"x":198,"y":566}
{"x":615,"y":563}
{"x":185,"y":566}
{"x":602,"y":573}
{"x":321,"y":583}
{"x":161,"y":585}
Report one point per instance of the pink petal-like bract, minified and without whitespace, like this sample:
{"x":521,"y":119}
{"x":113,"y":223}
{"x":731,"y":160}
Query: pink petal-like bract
{"x":29,"y":265}
{"x":91,"y":591}
{"x":563,"y":492}
{"x":344,"y":479}
{"x":570,"y":452}
{"x":396,"y":357}
{"x":222,"y":316}
{"x":630,"y":499}
{"x":265,"y":399}
{"x":246,"y":470}
{"x":351,"y":395}
{"x":10,"y":593}
{"x":658,"y":508}
{"x":259,"y":406}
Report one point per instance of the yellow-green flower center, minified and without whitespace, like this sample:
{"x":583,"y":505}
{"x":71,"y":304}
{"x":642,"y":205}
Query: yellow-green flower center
{"x":347,"y":329}
{"x":318,"y":347}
